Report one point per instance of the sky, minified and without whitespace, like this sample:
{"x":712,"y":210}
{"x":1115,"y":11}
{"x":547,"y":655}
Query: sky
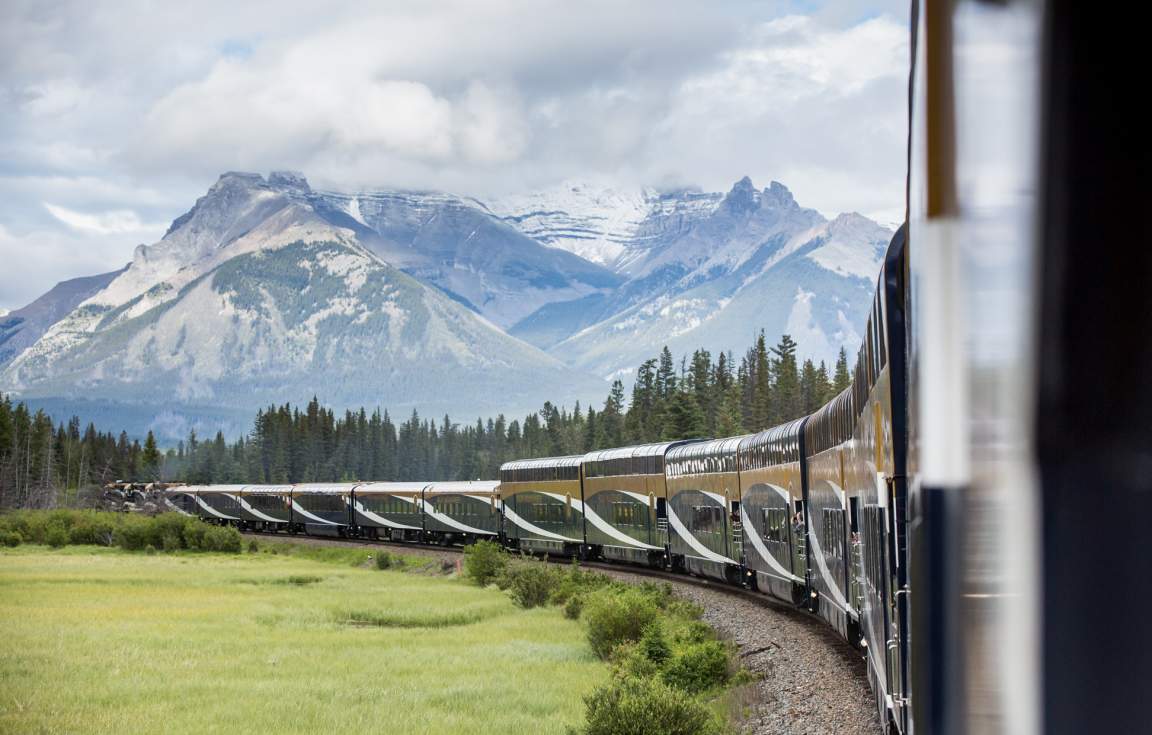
{"x":116,"y":116}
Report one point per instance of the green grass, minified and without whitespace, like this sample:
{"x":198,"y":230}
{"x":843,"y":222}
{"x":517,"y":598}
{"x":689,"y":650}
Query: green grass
{"x":96,"y":640}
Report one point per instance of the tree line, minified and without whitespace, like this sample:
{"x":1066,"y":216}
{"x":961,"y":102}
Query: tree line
{"x":42,"y":465}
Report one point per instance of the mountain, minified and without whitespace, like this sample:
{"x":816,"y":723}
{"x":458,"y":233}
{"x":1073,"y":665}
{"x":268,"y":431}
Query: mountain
{"x":466,"y":251}
{"x":268,"y":291}
{"x":21,"y":329}
{"x":254,"y":297}
{"x":710,"y":270}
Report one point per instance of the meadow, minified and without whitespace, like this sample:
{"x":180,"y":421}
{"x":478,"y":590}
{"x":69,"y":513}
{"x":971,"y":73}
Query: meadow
{"x":98,"y":640}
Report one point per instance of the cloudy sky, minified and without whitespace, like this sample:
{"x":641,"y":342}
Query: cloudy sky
{"x":115,"y":116}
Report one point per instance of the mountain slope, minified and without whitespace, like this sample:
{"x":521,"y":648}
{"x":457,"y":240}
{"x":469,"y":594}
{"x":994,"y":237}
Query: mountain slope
{"x":716,"y":273}
{"x":464,"y":250}
{"x":21,"y":328}
{"x":254,"y":298}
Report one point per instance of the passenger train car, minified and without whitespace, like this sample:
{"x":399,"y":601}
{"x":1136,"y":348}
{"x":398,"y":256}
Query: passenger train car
{"x":935,"y":512}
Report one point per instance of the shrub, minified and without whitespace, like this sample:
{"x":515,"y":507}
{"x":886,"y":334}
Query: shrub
{"x":92,"y":528}
{"x":615,"y":616}
{"x":531,"y":584}
{"x":573,"y":607}
{"x":193,"y":533}
{"x":699,"y":667}
{"x":169,"y":524}
{"x":576,"y":583}
{"x":633,"y":706}
{"x":653,"y":644}
{"x":149,"y":549}
{"x":695,"y":632}
{"x":170,"y":541}
{"x":630,"y":662}
{"x":253,"y":547}
{"x":56,"y":536}
{"x":11,"y":539}
{"x":222,"y":538}
{"x":383,"y":560}
{"x":484,"y":562}
{"x":134,"y":533}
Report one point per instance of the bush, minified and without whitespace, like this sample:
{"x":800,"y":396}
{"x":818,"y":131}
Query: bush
{"x":150,"y":550}
{"x":484,"y":562}
{"x":222,"y":538}
{"x":92,"y":528}
{"x":633,"y":706}
{"x":576,"y":583}
{"x":170,"y":541}
{"x":699,"y":667}
{"x":253,"y":547}
{"x":653,"y":644}
{"x":629,"y":661}
{"x":616,"y":616}
{"x":573,"y":607}
{"x":134,"y":533}
{"x":193,"y":533}
{"x":170,"y":524}
{"x":531,"y":584}
{"x":11,"y":539}
{"x":56,"y":536}
{"x":383,"y":560}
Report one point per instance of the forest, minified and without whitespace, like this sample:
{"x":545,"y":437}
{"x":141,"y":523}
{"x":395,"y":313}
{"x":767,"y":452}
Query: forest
{"x":44,"y":465}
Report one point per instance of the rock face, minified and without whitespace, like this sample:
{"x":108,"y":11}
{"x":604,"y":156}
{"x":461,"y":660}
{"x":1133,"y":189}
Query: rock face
{"x":268,"y":291}
{"x":21,"y":329}
{"x":710,"y":270}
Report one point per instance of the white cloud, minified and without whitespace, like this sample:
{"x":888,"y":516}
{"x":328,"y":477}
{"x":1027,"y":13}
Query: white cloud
{"x":37,"y":260}
{"x":116,"y":222}
{"x":117,"y":131}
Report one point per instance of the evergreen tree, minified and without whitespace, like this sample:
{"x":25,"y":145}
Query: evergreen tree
{"x":151,"y":458}
{"x":786,"y":388}
{"x":760,"y":377}
{"x":683,"y":418}
{"x":842,"y":377}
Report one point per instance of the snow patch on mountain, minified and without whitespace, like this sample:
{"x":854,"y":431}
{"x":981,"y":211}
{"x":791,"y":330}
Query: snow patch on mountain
{"x":842,"y":252}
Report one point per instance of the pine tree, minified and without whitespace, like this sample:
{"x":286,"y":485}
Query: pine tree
{"x":786,"y":388}
{"x":763,"y":408}
{"x":683,"y":418}
{"x":842,"y":377}
{"x":151,"y":458}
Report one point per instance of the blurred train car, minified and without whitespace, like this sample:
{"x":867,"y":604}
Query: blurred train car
{"x":772,"y":485}
{"x":322,"y":508}
{"x":542,"y":502}
{"x":703,"y":509}
{"x":461,"y":512}
{"x":266,"y":507}
{"x":181,"y":499}
{"x":218,"y":503}
{"x":388,"y":510}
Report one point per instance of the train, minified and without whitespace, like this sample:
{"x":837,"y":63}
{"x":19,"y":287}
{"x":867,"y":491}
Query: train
{"x":809,"y":513}
{"x":971,"y":512}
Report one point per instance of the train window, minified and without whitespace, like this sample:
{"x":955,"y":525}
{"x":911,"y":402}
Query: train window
{"x":622,"y":513}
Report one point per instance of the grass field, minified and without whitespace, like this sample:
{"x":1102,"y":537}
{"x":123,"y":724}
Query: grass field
{"x":95,"y":640}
